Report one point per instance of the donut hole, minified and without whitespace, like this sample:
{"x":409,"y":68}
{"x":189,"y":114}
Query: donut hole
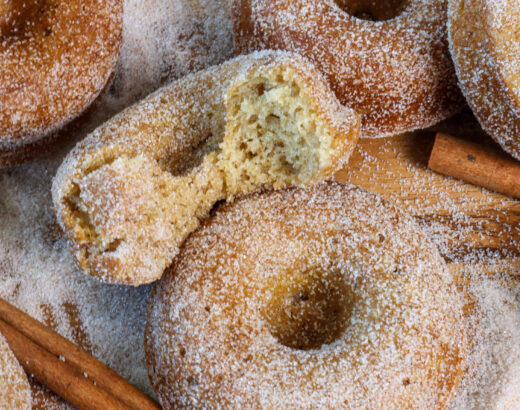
{"x":15,"y":15}
{"x":373,"y":10}
{"x":308,"y":310}
{"x":274,"y":135}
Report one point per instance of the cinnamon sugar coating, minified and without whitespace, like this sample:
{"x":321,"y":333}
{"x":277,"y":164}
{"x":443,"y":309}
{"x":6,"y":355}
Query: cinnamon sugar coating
{"x":485,"y":45}
{"x":316,"y":297}
{"x":396,"y":72}
{"x":56,"y":57}
{"x":15,"y":392}
{"x":130,"y":193}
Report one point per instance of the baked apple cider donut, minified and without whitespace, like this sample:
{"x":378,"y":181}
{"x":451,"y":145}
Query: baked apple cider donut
{"x":55,"y":59}
{"x":15,"y":392}
{"x":130,"y":193}
{"x":387,"y":59}
{"x":315,"y":297}
{"x":485,"y":44}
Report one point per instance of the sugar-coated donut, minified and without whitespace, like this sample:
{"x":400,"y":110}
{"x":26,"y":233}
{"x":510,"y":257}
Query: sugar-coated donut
{"x":15,"y":392}
{"x":316,"y":297}
{"x":130,"y":193}
{"x":485,"y":45}
{"x":56,"y":57}
{"x":395,"y":71}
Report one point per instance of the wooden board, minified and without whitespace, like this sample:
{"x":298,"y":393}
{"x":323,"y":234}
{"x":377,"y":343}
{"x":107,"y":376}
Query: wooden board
{"x":468,"y":222}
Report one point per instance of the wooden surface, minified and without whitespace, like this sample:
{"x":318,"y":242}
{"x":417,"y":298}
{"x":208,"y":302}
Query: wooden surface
{"x":473,"y":226}
{"x":467,"y":221}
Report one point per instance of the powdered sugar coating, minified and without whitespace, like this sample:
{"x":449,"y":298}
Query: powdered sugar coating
{"x":485,"y":45}
{"x":493,"y":325}
{"x":398,"y":73}
{"x":165,"y":40}
{"x":210,"y":338}
{"x":15,"y":392}
{"x":56,"y":59}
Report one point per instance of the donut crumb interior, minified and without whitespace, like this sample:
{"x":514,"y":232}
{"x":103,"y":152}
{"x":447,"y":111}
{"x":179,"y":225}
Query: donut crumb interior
{"x":273,"y":136}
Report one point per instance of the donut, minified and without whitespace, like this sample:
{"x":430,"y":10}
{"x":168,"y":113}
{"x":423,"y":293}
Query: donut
{"x":389,"y":60}
{"x":315,"y":297}
{"x":15,"y":392}
{"x":57,"y":56}
{"x":485,"y":46}
{"x":130,"y":193}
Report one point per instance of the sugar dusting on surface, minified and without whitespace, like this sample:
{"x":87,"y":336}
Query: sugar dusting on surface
{"x":493,"y":379}
{"x":163,"y":41}
{"x":37,"y":272}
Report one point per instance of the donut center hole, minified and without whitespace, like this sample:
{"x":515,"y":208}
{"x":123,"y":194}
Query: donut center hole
{"x":310,"y":310}
{"x":373,"y":10}
{"x":15,"y":13}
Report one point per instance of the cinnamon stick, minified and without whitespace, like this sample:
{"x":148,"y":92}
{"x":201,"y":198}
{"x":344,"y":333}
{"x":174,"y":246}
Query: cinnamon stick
{"x":476,"y":164}
{"x":55,"y":374}
{"x":49,"y":346}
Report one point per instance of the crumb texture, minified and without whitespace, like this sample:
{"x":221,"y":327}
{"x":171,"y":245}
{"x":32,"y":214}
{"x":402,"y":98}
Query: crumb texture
{"x":485,"y":44}
{"x":395,"y":71}
{"x":129,"y":194}
{"x":357,"y":311}
{"x":15,"y":392}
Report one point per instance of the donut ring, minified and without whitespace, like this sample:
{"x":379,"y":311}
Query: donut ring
{"x":317,"y":297}
{"x":57,"y":56}
{"x":130,"y":193}
{"x":485,"y":46}
{"x":396,"y":72}
{"x":15,"y":392}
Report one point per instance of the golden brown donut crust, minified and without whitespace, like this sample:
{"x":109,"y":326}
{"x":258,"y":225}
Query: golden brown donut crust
{"x":57,"y":56}
{"x":485,"y":46}
{"x":129,"y":194}
{"x":397,"y":72}
{"x":15,"y":392}
{"x":239,"y":319}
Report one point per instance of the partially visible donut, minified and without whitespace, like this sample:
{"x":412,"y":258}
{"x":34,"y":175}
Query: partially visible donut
{"x":15,"y":392}
{"x":396,"y":71}
{"x":130,"y":193}
{"x":316,"y":297}
{"x":55,"y":59}
{"x":485,"y":44}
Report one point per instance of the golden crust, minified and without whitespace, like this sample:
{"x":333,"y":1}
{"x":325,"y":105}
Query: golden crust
{"x":15,"y":392}
{"x":52,"y":142}
{"x":316,"y":297}
{"x":56,"y":59}
{"x":397,"y":73}
{"x":485,"y":46}
{"x":129,"y":194}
